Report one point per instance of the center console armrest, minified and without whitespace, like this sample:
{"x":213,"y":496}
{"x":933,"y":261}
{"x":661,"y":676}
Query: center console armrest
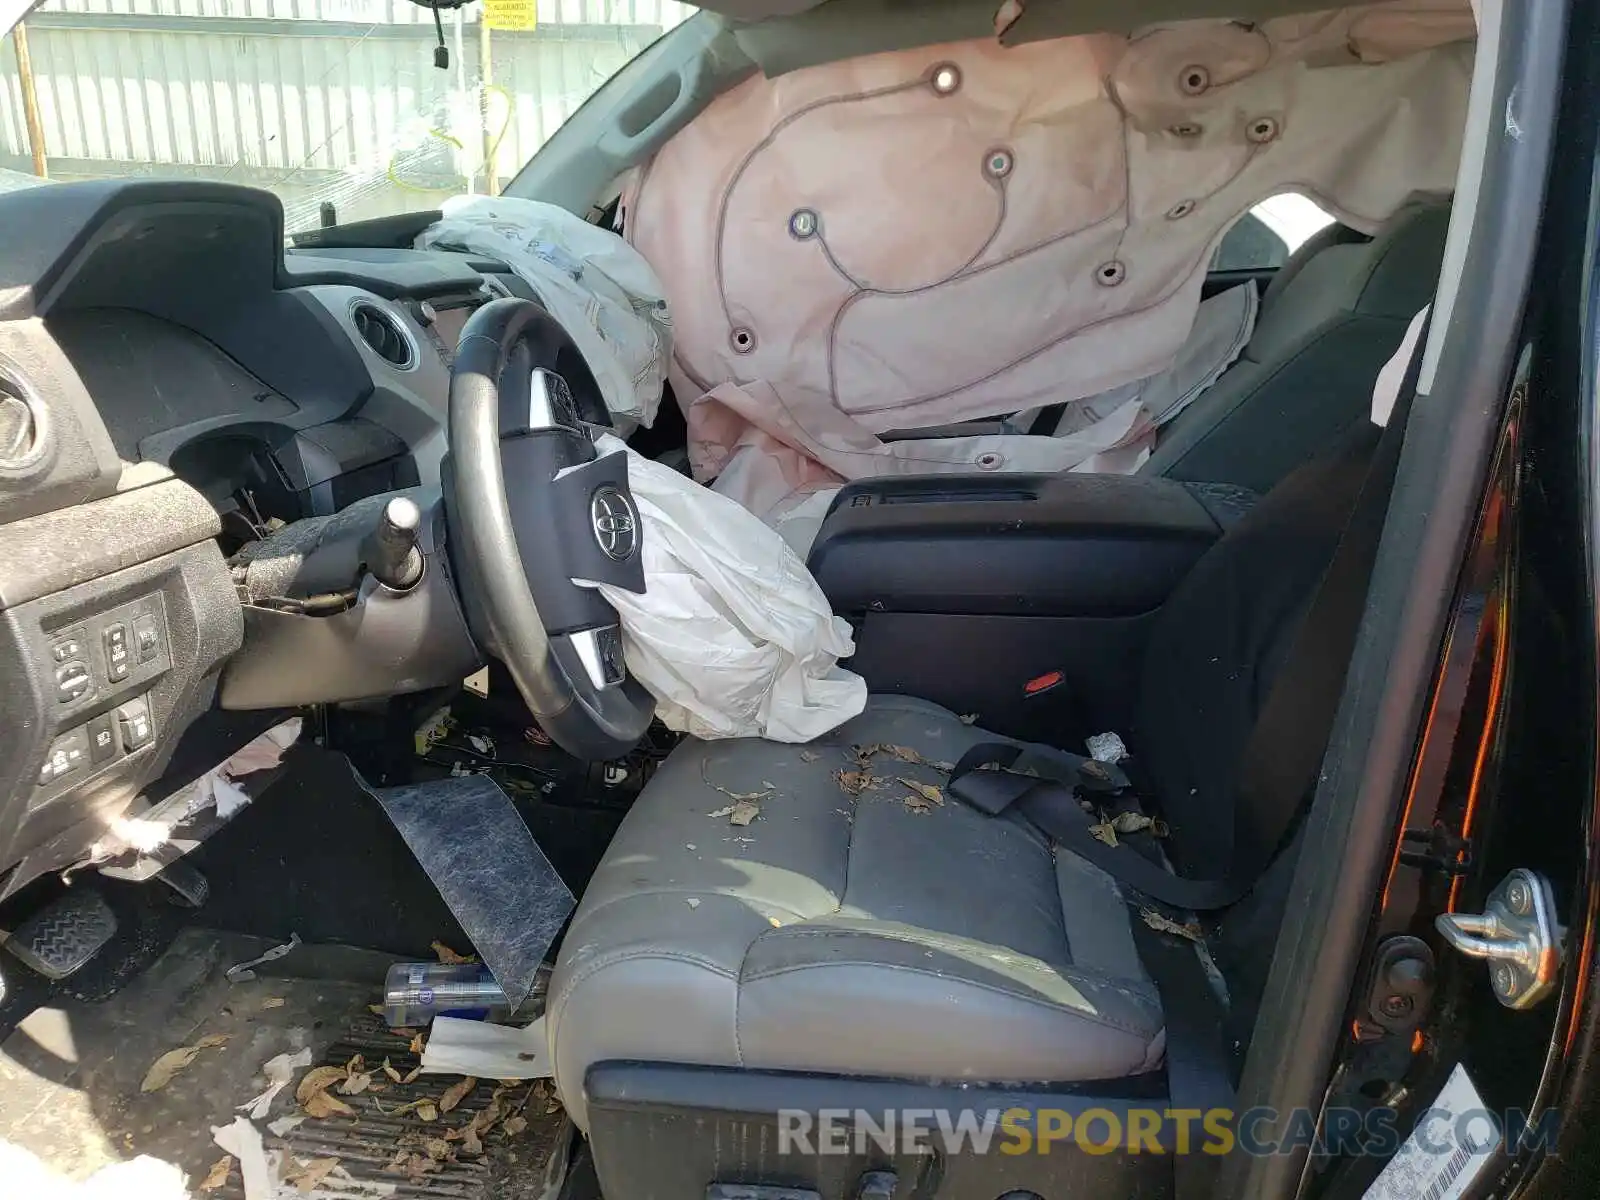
{"x":1034,"y":545}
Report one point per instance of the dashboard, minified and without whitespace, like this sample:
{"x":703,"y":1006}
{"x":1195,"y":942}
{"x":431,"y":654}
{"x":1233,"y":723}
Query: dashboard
{"x":172,"y":383}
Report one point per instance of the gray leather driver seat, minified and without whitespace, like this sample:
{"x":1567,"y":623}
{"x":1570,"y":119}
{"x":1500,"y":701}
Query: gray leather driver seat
{"x":846,"y":934}
{"x":851,"y":931}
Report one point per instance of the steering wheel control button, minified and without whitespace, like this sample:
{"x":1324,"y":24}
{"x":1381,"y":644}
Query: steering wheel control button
{"x":137,"y":728}
{"x":119,"y":661}
{"x":102,"y":739}
{"x":600,"y":651}
{"x":73,"y":682}
{"x":550,"y":404}
{"x":616,"y":523}
{"x":146,"y":637}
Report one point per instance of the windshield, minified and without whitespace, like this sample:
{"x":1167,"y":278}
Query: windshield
{"x":347,"y":109}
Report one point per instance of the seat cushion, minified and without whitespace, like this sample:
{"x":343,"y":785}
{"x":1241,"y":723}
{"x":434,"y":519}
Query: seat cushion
{"x":846,"y":934}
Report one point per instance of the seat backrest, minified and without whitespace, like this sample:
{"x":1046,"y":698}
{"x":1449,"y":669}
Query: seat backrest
{"x":1305,"y":378}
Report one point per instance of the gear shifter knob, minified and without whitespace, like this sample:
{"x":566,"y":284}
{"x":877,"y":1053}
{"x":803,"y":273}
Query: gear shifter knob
{"x":391,"y":552}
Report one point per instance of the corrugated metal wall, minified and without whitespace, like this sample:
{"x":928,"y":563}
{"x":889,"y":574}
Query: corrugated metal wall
{"x":317,"y":100}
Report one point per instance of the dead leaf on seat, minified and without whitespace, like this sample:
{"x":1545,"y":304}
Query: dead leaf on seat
{"x":1094,"y":770}
{"x":926,"y":790}
{"x":852,"y":783}
{"x":1162,"y":924}
{"x":1104,"y":831}
{"x":1132,"y":822}
{"x":449,"y":957}
{"x":919,"y":805}
{"x":968,"y":718}
{"x":742,"y":811}
{"x":903,"y":753}
{"x":809,"y":756}
{"x":218,"y":1175}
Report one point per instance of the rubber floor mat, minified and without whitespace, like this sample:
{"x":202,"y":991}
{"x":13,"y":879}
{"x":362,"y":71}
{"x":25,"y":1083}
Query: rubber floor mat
{"x":387,"y":1147}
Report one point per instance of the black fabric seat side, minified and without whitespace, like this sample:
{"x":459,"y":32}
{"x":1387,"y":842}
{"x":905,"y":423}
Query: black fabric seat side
{"x":1220,"y":639}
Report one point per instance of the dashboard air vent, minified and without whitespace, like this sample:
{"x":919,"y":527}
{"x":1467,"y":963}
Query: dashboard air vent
{"x":382,"y":332}
{"x":21,"y":428}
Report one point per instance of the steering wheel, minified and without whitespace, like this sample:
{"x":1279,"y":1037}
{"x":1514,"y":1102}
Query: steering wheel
{"x":520,"y":392}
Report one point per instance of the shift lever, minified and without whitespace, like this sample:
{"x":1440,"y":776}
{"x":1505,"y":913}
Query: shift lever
{"x":391,"y":549}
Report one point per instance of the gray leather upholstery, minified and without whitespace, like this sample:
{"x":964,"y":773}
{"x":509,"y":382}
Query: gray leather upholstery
{"x":846,"y":934}
{"x":1326,"y":328}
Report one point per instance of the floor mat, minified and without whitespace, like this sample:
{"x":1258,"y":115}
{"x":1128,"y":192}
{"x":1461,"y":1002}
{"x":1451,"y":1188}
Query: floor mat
{"x":79,"y":1086}
{"x":315,"y":855}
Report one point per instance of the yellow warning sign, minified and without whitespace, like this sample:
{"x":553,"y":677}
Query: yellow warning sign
{"x":515,"y":15}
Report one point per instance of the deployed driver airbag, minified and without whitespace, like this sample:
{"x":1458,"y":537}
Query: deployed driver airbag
{"x":732,"y":634}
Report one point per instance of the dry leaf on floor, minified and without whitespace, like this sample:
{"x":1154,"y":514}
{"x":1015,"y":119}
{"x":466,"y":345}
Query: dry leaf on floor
{"x":318,"y":1079}
{"x":412,"y":1074}
{"x":456,"y":1093}
{"x":390,"y":1071}
{"x":427,"y":1110}
{"x":419,"y":1165}
{"x":218,"y":1175}
{"x":360,"y":1082}
{"x":376,"y":1010}
{"x":418,"y":1043}
{"x":306,"y":1176}
{"x":164,"y":1068}
{"x":471,"y":1143}
{"x":212,"y":1040}
{"x":321,"y":1105}
{"x":449,"y":957}
{"x":1105,"y":832}
{"x":273,"y":1002}
{"x":514,"y":1125}
{"x":926,"y":790}
{"x":1163,"y":924}
{"x":357,"y":1064}
{"x":397,"y":1161}
{"x":437,"y":1149}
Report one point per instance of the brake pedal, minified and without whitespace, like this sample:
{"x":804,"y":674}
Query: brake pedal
{"x":63,"y":936}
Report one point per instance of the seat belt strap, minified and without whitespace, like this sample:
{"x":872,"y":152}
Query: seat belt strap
{"x":1284,"y":751}
{"x":1199,"y":1073}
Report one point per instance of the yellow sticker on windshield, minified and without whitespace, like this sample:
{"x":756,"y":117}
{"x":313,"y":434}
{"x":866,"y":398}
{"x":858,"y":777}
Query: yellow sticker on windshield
{"x":510,"y":14}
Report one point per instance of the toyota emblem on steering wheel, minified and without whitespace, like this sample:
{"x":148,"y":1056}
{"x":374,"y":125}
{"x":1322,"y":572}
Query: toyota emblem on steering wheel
{"x":616,"y":523}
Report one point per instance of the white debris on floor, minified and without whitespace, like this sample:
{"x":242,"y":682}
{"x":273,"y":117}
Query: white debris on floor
{"x":142,"y":1178}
